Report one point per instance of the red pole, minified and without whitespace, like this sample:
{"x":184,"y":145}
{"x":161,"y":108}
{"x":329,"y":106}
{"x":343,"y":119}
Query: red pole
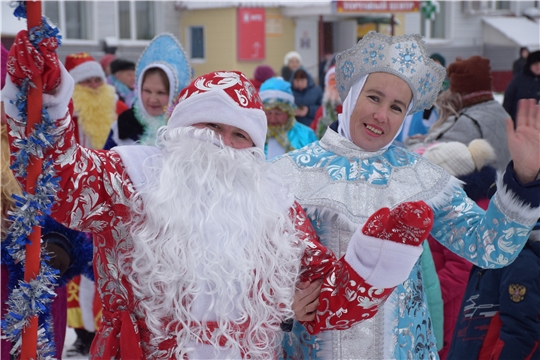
{"x":33,"y":250}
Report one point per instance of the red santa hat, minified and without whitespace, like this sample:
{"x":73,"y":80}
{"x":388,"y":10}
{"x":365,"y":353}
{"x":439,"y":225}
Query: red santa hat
{"x":223,"y":97}
{"x":82,"y":66}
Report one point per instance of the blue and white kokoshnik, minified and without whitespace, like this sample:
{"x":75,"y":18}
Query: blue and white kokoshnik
{"x":166,"y":51}
{"x":402,"y":56}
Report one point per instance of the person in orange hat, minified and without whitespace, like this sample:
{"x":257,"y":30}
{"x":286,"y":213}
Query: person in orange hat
{"x":95,"y":107}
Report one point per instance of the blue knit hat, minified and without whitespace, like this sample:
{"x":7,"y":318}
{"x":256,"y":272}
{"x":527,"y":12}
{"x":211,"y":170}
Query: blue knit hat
{"x":277,"y":92}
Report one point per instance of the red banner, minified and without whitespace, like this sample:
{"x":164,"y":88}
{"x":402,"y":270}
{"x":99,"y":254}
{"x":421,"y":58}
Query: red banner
{"x":251,"y":33}
{"x":376,"y":6}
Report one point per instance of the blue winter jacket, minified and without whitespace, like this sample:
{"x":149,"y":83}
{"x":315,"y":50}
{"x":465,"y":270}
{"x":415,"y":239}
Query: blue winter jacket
{"x":311,"y":97}
{"x":500,"y":313}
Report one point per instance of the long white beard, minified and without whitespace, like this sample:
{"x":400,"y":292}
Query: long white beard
{"x":214,"y":242}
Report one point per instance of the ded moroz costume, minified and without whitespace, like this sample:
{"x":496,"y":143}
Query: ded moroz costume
{"x":95,"y":108}
{"x":339,"y":185}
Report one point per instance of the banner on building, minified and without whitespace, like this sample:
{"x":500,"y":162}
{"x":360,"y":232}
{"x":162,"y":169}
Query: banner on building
{"x":251,"y":33}
{"x":376,"y":6}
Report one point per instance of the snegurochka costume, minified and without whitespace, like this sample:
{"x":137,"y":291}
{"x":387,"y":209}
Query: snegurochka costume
{"x":95,"y":195}
{"x":276,"y":93}
{"x":339,"y":185}
{"x":135,"y":124}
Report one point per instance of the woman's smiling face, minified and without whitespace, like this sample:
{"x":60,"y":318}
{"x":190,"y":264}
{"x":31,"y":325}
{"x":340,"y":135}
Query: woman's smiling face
{"x":380,"y":110}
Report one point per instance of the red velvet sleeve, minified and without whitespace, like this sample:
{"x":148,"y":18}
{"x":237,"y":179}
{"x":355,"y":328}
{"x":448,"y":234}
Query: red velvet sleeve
{"x":94,"y":189}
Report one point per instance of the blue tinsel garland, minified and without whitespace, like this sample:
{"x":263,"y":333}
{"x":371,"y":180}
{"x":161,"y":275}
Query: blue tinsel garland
{"x":33,"y":298}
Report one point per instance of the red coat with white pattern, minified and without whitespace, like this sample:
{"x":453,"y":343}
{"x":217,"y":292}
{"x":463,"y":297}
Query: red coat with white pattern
{"x":94,"y":196}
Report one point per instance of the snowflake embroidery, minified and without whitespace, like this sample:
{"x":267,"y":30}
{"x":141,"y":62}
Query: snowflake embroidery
{"x":347,"y":69}
{"x":406,"y":59}
{"x":373,"y":54}
{"x":426,"y":84}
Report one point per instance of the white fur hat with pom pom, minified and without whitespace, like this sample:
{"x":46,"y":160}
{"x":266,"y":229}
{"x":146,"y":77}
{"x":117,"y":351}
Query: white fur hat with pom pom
{"x":459,"y":159}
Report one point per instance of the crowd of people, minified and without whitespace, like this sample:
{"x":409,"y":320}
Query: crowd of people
{"x":390,"y":211}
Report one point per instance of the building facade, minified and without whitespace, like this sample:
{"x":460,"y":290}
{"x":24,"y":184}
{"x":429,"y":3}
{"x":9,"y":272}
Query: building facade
{"x":122,"y":27}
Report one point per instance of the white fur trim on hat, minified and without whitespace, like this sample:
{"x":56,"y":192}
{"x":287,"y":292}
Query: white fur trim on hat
{"x":382,"y":263}
{"x":276,"y":94}
{"x":330,"y":72}
{"x":217,"y":107}
{"x":290,"y":55}
{"x":87,"y":70}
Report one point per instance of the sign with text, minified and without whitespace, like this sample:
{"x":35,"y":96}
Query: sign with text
{"x":376,"y":6}
{"x":251,"y":33}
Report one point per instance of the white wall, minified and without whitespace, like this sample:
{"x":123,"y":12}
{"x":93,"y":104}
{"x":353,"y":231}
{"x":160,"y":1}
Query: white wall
{"x":10,"y":24}
{"x":308,"y":27}
{"x":344,"y":35}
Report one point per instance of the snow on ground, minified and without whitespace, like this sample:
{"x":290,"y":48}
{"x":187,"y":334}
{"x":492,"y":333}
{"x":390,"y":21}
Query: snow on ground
{"x":70,"y":339}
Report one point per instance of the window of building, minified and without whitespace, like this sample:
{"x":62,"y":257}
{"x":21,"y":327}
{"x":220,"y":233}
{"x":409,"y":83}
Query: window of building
{"x":434,"y":29}
{"x":195,"y":39}
{"x":71,"y":17}
{"x":136,"y":20}
{"x":486,"y":6}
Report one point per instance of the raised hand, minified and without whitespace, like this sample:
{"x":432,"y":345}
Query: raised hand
{"x":524,"y":140}
{"x":26,"y":62}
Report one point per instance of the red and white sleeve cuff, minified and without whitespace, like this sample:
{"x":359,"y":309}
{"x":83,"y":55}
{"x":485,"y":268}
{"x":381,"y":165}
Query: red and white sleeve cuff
{"x":382,"y":263}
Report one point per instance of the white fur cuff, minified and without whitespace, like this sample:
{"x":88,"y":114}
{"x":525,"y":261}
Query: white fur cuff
{"x":57,"y":103}
{"x":512,"y":206}
{"x":382,"y":263}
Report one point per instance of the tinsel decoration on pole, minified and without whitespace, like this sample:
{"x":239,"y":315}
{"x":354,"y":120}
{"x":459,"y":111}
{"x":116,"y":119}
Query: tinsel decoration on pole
{"x":28,"y":323}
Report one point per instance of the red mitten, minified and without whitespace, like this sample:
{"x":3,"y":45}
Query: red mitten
{"x":382,"y":263}
{"x":408,"y":223}
{"x":26,"y":62}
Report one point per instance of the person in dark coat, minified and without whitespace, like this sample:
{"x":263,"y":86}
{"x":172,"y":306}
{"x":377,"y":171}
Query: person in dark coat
{"x":500,"y":313}
{"x":519,"y":64}
{"x":523,"y":86}
{"x":307,"y":96}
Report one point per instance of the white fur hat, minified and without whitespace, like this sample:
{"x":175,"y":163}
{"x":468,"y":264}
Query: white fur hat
{"x":290,"y":55}
{"x":459,"y":159}
{"x":82,"y":66}
{"x":223,"y":97}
